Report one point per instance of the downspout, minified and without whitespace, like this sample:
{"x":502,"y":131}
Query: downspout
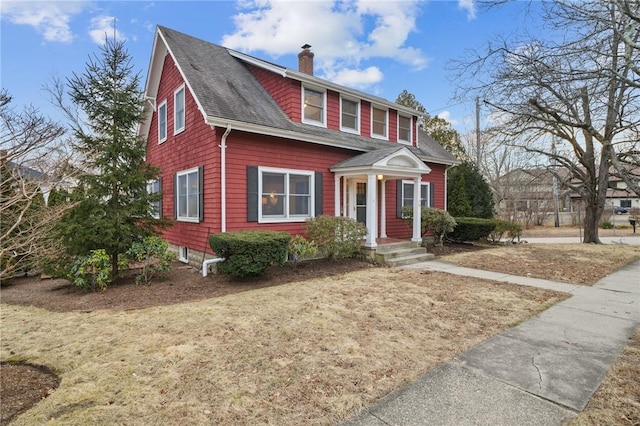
{"x":223,"y":179}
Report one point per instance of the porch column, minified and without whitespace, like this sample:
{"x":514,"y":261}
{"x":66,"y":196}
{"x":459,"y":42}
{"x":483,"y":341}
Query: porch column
{"x":372,"y":211}
{"x":336,"y":194}
{"x":345,"y":204}
{"x":417,"y":235}
{"x":383,"y":209}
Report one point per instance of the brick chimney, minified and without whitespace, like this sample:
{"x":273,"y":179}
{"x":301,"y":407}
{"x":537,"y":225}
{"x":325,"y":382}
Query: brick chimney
{"x":305,"y":60}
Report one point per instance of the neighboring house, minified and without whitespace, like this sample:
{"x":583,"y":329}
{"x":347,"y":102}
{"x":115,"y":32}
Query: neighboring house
{"x":243,"y":143}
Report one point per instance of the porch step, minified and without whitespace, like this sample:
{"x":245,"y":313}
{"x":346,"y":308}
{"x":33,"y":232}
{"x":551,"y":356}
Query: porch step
{"x":401,"y":254}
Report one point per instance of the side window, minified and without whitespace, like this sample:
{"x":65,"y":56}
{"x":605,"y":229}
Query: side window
{"x":162,"y":122}
{"x":350,"y":115}
{"x":404,"y":129}
{"x":154,"y":187}
{"x":407,"y":194}
{"x":178,"y":111}
{"x":188,"y":195}
{"x":313,"y":106}
{"x":379,"y":119}
{"x":285,"y":195}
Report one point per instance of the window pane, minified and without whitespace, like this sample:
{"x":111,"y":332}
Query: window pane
{"x":273,"y":194}
{"x":182,"y":195}
{"x":192,"y":191}
{"x":313,"y":105}
{"x":299,"y":205}
{"x":349,"y":114}
{"x":379,"y":122}
{"x":299,"y":191}
{"x":404,"y":128}
{"x":179,"y":109}
{"x":162,"y":122}
{"x":407,"y":194}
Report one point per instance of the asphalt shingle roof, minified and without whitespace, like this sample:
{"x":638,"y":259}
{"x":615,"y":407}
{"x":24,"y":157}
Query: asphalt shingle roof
{"x":226,"y":89}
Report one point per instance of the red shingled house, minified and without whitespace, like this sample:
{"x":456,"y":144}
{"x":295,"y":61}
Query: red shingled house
{"x":246,"y":144}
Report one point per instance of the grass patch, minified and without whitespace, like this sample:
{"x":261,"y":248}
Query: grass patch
{"x":313,"y":352}
{"x":570,"y":263}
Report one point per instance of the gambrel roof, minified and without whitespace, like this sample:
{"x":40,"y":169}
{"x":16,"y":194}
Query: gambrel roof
{"x":227,"y":93}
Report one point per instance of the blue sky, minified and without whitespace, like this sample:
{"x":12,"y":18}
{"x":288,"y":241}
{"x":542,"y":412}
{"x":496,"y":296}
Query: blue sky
{"x":380,"y":47}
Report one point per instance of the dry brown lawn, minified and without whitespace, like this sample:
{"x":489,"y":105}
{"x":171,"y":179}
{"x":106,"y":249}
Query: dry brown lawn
{"x":312,"y":352}
{"x":569,"y":263}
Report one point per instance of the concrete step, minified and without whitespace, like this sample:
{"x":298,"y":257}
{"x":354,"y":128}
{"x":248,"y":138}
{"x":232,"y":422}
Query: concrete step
{"x":388,"y":248}
{"x":405,"y":252}
{"x":410,"y":260}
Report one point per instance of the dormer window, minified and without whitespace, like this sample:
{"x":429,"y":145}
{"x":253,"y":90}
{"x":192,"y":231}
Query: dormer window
{"x":379,"y":120}
{"x":313,"y":107}
{"x":349,"y":115}
{"x":404,"y":129}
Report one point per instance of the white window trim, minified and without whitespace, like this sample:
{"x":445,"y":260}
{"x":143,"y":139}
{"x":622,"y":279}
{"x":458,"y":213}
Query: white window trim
{"x":324,"y":107}
{"x":422,"y":184}
{"x":177,"y":130}
{"x":349,"y":129}
{"x":386,"y":127}
{"x":183,"y":254}
{"x":286,"y":218}
{"x":403,"y":141}
{"x":149,"y":190}
{"x":166,"y":123}
{"x":177,"y":197}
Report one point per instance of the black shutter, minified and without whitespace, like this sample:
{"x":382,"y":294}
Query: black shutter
{"x":432,"y":194}
{"x":201,"y":193}
{"x":252,"y":194}
{"x":175,"y":196}
{"x":161,"y":197}
{"x":318,"y":194}
{"x":399,"y":198}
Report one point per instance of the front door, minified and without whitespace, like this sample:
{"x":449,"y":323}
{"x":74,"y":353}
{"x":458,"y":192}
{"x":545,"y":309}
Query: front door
{"x":361,"y":202}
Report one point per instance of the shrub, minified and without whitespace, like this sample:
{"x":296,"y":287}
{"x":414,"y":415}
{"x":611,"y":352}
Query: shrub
{"x":472,"y":229}
{"x":606,"y":225}
{"x":301,"y":248}
{"x":92,"y":271}
{"x":436,"y":221}
{"x":248,"y":253}
{"x":153,"y":255}
{"x":512,"y":230}
{"x":336,"y":237}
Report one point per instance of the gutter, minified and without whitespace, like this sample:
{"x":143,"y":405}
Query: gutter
{"x":223,"y":179}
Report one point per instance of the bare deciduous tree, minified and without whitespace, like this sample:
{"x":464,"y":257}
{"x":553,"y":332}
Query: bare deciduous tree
{"x":576,"y":91}
{"x":31,"y":164}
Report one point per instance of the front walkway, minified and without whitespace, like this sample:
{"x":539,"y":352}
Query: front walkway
{"x":538,"y":373}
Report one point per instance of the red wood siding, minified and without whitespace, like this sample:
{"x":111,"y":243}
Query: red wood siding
{"x":196,"y":146}
{"x":393,"y":125}
{"x":286,"y":92}
{"x":333,"y":110}
{"x":365,"y":119}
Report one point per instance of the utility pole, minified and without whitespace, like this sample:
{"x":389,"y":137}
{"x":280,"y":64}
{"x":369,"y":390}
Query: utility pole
{"x":478,"y":152}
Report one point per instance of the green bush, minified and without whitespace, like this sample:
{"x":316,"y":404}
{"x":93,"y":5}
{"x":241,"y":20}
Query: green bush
{"x":606,"y":225}
{"x":92,"y":271}
{"x":301,"y":248}
{"x":472,"y":229}
{"x":336,"y":237}
{"x":153,"y":255}
{"x":248,"y":253}
{"x":511,"y":230}
{"x":436,"y":221}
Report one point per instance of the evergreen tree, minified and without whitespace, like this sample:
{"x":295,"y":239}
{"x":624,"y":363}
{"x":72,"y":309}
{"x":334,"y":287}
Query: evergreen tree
{"x":114,"y":208}
{"x":468,"y":192}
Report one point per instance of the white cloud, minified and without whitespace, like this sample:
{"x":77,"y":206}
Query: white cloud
{"x":102,"y":27}
{"x":343,"y":33}
{"x":469,"y":6}
{"x":51,"y":19}
{"x":446,"y":115}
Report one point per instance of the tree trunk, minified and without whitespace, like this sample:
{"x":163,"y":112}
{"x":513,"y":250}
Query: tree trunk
{"x":114,"y":267}
{"x":591,"y":220}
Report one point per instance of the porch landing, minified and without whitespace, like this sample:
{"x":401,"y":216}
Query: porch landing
{"x":396,"y":252}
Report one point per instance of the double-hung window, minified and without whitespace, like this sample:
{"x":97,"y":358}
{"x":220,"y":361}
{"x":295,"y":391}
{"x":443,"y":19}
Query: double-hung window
{"x":404,"y":129}
{"x":162,"y":122}
{"x":349,"y":115}
{"x":407,"y":194}
{"x":153,"y":188}
{"x":313,"y":106}
{"x":188,"y":195}
{"x":379,"y":118}
{"x":178,"y":110}
{"x":286,"y":195}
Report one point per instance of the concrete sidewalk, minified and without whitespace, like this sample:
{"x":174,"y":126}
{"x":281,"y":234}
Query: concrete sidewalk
{"x":627,"y":239}
{"x":539,"y":373}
